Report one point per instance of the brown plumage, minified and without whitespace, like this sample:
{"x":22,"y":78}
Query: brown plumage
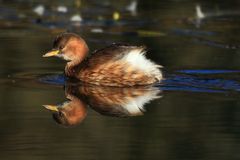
{"x":111,"y":101}
{"x":115,"y":65}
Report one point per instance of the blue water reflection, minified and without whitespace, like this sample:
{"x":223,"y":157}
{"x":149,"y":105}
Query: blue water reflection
{"x":190,"y":81}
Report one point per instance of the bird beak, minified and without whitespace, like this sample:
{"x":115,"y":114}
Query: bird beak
{"x":51,"y":53}
{"x":51,"y":108}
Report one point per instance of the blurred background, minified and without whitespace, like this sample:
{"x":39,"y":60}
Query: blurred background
{"x":190,"y":38}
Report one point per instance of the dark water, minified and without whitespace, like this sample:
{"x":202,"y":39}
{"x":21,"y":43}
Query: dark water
{"x":192,"y":114}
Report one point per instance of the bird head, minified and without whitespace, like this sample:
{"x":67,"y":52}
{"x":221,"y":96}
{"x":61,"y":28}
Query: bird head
{"x":68,"y":46}
{"x":68,"y":113}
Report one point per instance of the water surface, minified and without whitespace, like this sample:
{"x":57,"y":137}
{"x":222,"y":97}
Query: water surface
{"x":195,"y":112}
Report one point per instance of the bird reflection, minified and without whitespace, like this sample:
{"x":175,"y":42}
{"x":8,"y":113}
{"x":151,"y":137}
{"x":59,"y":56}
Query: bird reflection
{"x":117,"y":102}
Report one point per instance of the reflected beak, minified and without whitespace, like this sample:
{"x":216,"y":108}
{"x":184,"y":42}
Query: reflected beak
{"x":51,"y":53}
{"x":51,"y":108}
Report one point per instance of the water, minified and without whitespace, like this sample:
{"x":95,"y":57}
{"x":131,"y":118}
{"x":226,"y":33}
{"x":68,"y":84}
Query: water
{"x":192,"y":114}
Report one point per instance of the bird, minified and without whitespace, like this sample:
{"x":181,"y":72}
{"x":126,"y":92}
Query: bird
{"x":117,"y":65}
{"x":108,"y":101}
{"x":69,"y":113}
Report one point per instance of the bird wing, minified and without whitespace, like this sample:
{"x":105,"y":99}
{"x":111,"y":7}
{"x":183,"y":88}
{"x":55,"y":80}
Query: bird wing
{"x":118,"y":65}
{"x":113,"y":52}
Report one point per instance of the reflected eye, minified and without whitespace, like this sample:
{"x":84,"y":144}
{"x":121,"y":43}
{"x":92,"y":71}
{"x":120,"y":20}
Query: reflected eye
{"x":60,"y":114}
{"x":61,"y":47}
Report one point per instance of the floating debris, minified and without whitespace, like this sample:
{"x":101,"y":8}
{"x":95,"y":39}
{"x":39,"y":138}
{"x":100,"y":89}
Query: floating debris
{"x":97,"y":30}
{"x":199,"y":13}
{"x":76,"y":18}
{"x":199,"y":16}
{"x":62,"y":9}
{"x":150,"y":33}
{"x":132,"y":7}
{"x":39,"y":10}
{"x":116,"y":16}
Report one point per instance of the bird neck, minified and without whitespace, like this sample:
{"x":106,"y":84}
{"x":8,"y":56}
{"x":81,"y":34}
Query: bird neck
{"x":72,"y":66}
{"x":78,"y":50}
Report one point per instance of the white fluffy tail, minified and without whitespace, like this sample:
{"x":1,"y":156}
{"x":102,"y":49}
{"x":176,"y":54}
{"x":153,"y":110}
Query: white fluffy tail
{"x":138,"y":60}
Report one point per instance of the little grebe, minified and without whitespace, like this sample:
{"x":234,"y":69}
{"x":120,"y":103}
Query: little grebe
{"x":116,"y":65}
{"x":108,"y":101}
